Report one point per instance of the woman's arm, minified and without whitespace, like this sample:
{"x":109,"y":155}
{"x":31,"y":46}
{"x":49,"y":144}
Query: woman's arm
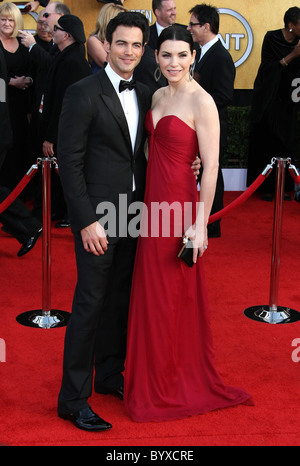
{"x":96,"y":51}
{"x":208,"y":133}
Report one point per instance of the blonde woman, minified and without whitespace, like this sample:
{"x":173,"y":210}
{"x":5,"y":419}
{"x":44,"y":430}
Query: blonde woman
{"x":19,"y":69}
{"x":96,"y":52}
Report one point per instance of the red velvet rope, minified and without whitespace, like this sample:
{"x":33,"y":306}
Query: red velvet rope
{"x":237,"y":202}
{"x":242,"y":198}
{"x":18,"y":189}
{"x":295,"y":177}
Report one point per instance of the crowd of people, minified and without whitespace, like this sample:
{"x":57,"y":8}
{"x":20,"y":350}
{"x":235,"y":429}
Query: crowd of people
{"x":136,"y":306}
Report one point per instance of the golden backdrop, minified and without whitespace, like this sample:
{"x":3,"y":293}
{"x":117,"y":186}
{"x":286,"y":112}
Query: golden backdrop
{"x":243,"y":24}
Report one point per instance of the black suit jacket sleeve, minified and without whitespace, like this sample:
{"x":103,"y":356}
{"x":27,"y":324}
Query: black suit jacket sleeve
{"x":44,"y":2}
{"x":75,"y":119}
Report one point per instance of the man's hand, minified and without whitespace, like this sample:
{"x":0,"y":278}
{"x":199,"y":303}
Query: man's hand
{"x":33,"y":5}
{"x":27,"y":38}
{"x":196,"y":165}
{"x":94,"y":239}
{"x":21,"y":82}
{"x":48,"y":149}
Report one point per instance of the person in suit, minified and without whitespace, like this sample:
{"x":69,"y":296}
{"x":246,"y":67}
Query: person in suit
{"x":215,"y":71}
{"x":43,"y":61}
{"x":100,"y":154}
{"x":39,"y":55}
{"x":165,"y":13}
{"x":102,"y":164}
{"x":16,"y":219}
{"x":69,"y":66}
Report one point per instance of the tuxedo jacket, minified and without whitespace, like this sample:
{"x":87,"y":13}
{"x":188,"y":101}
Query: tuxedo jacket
{"x":95,"y":156}
{"x":215,"y":72}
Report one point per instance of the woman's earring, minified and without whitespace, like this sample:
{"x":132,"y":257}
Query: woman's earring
{"x":191,"y":73}
{"x":291,"y":30}
{"x":157,"y":74}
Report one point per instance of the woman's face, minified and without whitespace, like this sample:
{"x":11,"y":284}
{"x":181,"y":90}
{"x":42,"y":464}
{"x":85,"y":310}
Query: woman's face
{"x":7,"y":25}
{"x":175,"y":58}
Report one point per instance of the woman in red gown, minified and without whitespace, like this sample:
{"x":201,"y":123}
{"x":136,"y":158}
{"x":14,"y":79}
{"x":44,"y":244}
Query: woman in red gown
{"x":170,"y":371}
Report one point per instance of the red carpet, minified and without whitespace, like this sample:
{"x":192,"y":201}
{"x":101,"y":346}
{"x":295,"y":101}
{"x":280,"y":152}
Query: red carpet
{"x":253,"y":355}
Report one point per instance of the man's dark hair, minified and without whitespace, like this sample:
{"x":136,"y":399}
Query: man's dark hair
{"x":292,"y":15}
{"x":207,"y":14}
{"x":128,"y":19}
{"x":175,"y":32}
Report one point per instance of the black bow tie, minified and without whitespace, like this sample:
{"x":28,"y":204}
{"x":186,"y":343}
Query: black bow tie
{"x":127,"y":85}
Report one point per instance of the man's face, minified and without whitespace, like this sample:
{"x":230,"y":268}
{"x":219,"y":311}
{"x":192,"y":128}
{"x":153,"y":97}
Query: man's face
{"x":126,"y":50}
{"x":50,"y":17}
{"x":42,"y":29}
{"x":166,"y":15}
{"x":197,"y":30}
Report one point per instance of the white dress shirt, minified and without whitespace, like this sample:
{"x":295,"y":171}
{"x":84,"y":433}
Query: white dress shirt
{"x":207,"y":46}
{"x":129,"y":104}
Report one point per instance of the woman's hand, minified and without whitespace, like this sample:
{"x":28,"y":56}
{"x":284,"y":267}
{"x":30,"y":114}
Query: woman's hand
{"x":198,"y":236}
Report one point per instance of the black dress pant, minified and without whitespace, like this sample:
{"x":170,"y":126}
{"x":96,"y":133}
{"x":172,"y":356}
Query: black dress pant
{"x":17,"y":219}
{"x":97,"y":329}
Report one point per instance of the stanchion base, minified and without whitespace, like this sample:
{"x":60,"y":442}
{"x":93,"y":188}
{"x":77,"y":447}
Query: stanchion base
{"x":41,"y":319}
{"x":283,"y":315}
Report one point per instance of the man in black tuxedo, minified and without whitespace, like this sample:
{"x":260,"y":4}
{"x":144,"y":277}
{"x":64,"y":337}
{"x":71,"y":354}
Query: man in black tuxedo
{"x":215,"y":72}
{"x":100,"y":155}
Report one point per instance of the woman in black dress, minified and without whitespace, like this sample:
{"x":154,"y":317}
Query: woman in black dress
{"x":18,"y":63}
{"x":274,"y":112}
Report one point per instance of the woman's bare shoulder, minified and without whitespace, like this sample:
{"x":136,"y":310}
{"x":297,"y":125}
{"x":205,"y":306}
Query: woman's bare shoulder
{"x":158,"y":95}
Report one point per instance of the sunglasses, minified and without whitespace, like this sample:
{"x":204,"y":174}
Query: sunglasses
{"x":46,"y":15}
{"x":57,"y":28}
{"x":195,"y":24}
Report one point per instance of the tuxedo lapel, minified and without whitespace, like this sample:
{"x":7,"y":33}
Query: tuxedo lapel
{"x":113,"y":104}
{"x":142,"y":109}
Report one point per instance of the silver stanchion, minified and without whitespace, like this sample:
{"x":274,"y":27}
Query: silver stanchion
{"x":274,"y":314}
{"x":46,"y":317}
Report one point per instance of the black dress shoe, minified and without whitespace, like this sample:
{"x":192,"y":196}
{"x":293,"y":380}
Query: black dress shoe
{"x":28,"y":245}
{"x":64,"y":223}
{"x":86,"y":419}
{"x":119,"y":392}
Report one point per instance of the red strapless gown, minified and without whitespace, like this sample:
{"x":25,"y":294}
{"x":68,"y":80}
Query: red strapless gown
{"x":170,"y":371}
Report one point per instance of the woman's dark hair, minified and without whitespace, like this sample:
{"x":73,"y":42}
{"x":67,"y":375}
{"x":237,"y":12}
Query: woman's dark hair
{"x":175,"y":32}
{"x":292,"y":15}
{"x":128,"y":19}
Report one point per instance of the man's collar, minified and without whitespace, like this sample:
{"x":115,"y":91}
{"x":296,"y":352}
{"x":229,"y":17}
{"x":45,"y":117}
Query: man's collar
{"x":114,"y":77}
